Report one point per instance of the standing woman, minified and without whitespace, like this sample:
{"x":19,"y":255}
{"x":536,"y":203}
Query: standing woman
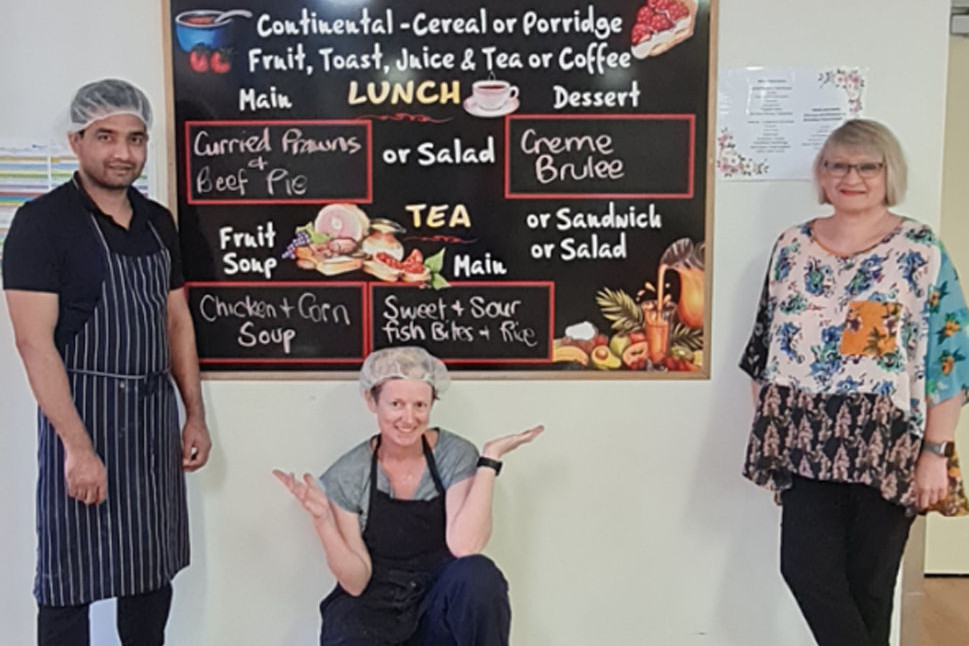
{"x":860,"y":362}
{"x":404,"y":517}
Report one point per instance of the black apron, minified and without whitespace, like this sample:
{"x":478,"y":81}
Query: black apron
{"x":408,"y":548}
{"x":118,"y":372}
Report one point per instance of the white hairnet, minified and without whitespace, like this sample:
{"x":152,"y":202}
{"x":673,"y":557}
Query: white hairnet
{"x":106,"y":98}
{"x":404,"y":362}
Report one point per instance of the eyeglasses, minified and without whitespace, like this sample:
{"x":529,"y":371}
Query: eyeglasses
{"x":866,"y":170}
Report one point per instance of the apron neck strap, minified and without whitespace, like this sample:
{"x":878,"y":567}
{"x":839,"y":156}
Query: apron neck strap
{"x":432,"y":464}
{"x":428,"y":457}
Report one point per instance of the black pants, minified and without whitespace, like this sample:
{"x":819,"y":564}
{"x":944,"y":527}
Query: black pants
{"x":141,"y":621}
{"x":467,"y":605}
{"x":841,"y":545}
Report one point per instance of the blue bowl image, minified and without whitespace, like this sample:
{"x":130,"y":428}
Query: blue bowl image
{"x":194,"y":28}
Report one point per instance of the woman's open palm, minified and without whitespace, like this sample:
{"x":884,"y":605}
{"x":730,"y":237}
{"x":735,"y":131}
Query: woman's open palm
{"x":307,"y":492}
{"x":501,"y":445}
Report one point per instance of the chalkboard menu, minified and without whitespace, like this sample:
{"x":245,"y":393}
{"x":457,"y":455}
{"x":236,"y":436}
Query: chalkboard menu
{"x":518,"y":187}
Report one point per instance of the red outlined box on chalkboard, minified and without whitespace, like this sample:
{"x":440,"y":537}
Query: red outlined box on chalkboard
{"x":549,"y":285}
{"x":364,"y":317}
{"x":366,"y":124}
{"x":690,"y":119}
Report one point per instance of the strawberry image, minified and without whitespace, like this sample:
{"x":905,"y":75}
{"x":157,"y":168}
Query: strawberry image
{"x":677,"y":11}
{"x":198,"y":59}
{"x":641,"y":32}
{"x":660,"y":23}
{"x":219,"y":62}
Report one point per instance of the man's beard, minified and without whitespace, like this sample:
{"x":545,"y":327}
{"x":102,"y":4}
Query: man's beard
{"x":104,"y":181}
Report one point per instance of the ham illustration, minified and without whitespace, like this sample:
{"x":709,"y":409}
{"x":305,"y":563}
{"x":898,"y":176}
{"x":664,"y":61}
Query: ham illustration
{"x":342,"y":221}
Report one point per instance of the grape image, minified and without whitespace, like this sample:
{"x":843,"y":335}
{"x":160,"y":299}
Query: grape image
{"x":302,"y":239}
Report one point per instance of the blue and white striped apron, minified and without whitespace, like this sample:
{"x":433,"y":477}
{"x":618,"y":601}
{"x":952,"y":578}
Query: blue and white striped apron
{"x":118,"y":370}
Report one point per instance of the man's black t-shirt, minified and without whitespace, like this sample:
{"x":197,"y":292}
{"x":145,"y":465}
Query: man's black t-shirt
{"x":53,"y":247}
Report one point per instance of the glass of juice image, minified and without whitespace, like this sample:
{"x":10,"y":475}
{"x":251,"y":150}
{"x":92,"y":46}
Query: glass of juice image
{"x":657,"y":328}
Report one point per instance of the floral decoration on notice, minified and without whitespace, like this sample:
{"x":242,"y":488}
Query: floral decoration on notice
{"x":851,"y":81}
{"x":730,"y":163}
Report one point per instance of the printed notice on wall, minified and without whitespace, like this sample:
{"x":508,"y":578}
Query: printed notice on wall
{"x":772,"y":121}
{"x":30,"y":170}
{"x":515,"y":185}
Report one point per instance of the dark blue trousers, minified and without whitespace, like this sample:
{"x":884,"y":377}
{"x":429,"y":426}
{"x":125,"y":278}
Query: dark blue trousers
{"x":466,"y":605}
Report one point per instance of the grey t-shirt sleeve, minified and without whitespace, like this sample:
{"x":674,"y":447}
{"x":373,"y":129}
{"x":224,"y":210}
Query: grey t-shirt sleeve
{"x":456,"y":457}
{"x":346,"y":482}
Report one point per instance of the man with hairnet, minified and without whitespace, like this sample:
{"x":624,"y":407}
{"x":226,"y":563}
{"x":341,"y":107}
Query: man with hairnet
{"x":92,"y":275}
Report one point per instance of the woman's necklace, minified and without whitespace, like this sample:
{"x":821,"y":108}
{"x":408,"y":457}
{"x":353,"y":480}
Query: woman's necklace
{"x":840,"y":239}
{"x":404,"y":475}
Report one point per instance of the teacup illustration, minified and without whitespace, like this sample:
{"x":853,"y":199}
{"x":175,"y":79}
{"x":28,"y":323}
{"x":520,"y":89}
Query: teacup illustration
{"x":493,"y":94}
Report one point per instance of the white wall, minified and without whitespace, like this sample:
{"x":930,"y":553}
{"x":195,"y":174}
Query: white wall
{"x":946,"y":538}
{"x":627,"y":523}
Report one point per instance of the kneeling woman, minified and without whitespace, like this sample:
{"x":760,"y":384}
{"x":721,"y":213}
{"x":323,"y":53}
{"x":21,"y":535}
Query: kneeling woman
{"x":404,"y":516}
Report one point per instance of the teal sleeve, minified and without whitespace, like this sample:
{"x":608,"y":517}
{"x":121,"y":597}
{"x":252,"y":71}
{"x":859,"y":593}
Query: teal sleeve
{"x":947,"y":359}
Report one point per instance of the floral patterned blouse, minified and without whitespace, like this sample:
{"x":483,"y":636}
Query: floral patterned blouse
{"x":851,"y":350}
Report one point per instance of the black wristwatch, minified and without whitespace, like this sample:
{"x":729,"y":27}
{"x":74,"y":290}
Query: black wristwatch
{"x":491,"y":464}
{"x":941,"y":449}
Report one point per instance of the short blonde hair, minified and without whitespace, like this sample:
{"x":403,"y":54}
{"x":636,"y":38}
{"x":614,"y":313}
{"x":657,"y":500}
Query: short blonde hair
{"x":866,"y":135}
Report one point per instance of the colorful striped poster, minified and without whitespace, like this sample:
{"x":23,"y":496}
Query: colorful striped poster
{"x":31,"y":170}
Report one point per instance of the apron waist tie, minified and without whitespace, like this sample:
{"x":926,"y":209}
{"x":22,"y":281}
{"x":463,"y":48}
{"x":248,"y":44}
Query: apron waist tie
{"x":150,"y":381}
